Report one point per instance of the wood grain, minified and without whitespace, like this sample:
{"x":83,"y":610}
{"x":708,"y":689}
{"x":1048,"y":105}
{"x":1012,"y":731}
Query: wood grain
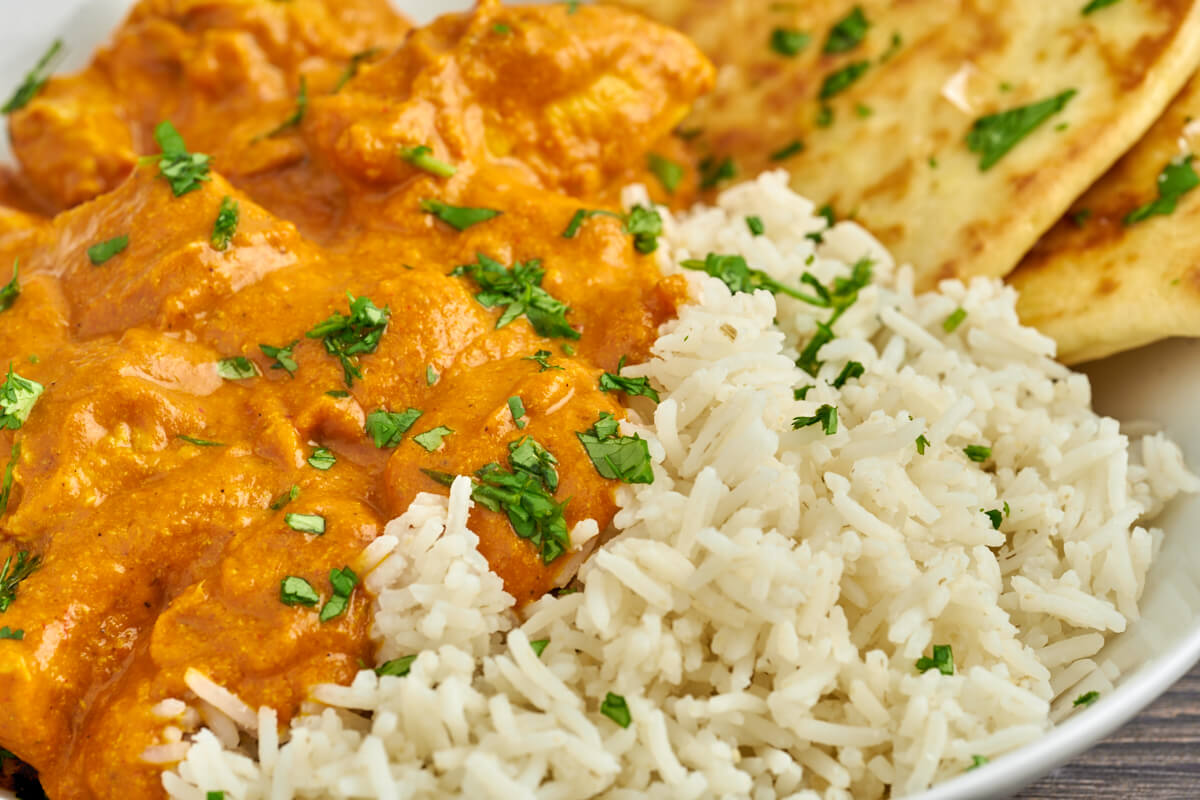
{"x":1155,"y":757}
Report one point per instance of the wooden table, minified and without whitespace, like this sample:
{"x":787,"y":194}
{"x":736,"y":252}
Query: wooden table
{"x":1154,"y":757}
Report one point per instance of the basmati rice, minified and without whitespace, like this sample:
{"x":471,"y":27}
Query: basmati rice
{"x":765,"y":600}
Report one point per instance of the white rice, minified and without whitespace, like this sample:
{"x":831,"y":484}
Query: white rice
{"x":767,"y":597}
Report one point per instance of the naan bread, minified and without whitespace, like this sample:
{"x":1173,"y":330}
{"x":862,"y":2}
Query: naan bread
{"x":1099,"y":286}
{"x":895,"y":155}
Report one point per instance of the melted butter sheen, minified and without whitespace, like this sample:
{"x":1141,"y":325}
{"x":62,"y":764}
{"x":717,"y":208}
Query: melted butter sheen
{"x":161,"y":555}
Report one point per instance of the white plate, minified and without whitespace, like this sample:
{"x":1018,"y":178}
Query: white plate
{"x":1159,"y":383}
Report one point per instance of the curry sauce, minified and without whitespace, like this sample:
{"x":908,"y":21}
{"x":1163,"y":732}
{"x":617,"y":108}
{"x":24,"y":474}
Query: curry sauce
{"x":194,"y":424}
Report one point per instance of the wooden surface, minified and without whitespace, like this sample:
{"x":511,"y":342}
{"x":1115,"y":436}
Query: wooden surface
{"x":1154,"y":757}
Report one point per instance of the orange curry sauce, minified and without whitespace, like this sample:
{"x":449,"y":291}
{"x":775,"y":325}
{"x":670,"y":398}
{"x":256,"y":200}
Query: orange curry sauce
{"x":158,"y":553}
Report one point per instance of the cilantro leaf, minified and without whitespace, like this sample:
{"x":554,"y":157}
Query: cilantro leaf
{"x":226,"y":223}
{"x":343,"y":581}
{"x":978,"y":453}
{"x":17,"y":398}
{"x":199,"y":442}
{"x":669,"y":173}
{"x":853,"y":369}
{"x":837,"y":82}
{"x":996,"y":516}
{"x":615,"y":708}
{"x":848,"y":32}
{"x":11,"y":575}
{"x":322,"y":458}
{"x":922,"y":443}
{"x":17,"y":635}
{"x":1177,"y":178}
{"x":399,"y":667}
{"x":616,"y":457}
{"x":236,"y":368}
{"x":645,"y":225}
{"x":1086,"y":699}
{"x":346,"y":336}
{"x":458,"y":217}
{"x":291,"y":494}
{"x":994,"y":135}
{"x":352,"y":67}
{"x":432,"y":439}
{"x":35,"y":79}
{"x":756,"y":226}
{"x":584,"y":214}
{"x":103,"y":251}
{"x":6,"y":488}
{"x":519,"y":289}
{"x":977,"y":761}
{"x":713,"y":172}
{"x":790,"y":149}
{"x":294,"y":591}
{"x":942,"y":661}
{"x":826,"y":415}
{"x":539,"y":646}
{"x":789,"y":42}
{"x":951,"y":323}
{"x":525,"y":499}
{"x":12,"y":289}
{"x":387,"y":428}
{"x":1096,"y":5}
{"x":526,"y":455}
{"x":542,"y":357}
{"x":305,"y":523}
{"x":517,"y":409}
{"x":184,"y":171}
{"x":282,"y":356}
{"x":634,"y":387}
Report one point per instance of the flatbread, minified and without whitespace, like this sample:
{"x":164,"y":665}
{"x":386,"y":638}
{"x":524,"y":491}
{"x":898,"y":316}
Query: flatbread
{"x":895,"y":155}
{"x":1099,"y":286}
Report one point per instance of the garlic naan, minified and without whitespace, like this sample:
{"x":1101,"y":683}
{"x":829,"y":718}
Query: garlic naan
{"x":893,"y":152}
{"x":1099,"y":285}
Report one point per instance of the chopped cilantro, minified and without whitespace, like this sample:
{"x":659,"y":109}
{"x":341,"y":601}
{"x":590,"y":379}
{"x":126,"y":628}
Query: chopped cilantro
{"x":431,"y":376}
{"x":1086,"y":699}
{"x":236,"y":368}
{"x":352,"y":67}
{"x":863,"y":110}
{"x":837,"y":82}
{"x":922,"y":443}
{"x":568,"y":349}
{"x":343,"y":581}
{"x":17,"y":398}
{"x":184,"y":171}
{"x":1079,"y":218}
{"x":539,"y":646}
{"x":458,"y":217}
{"x":6,"y":488}
{"x":12,"y":289}
{"x":789,"y":41}
{"x":581,"y":216}
{"x":645,"y":225}
{"x":322,"y":458}
{"x":978,"y":453}
{"x":996,"y":516}
{"x":713,"y":172}
{"x":847,"y":33}
{"x":615,"y":708}
{"x":977,"y":761}
{"x":517,"y":409}
{"x":826,"y":416}
{"x":199,"y":442}
{"x":824,"y":116}
{"x":285,"y":498}
{"x":788,"y":150}
{"x":519,"y":289}
{"x":11,"y":575}
{"x":432,"y":439}
{"x":338,"y":393}
{"x":8,"y":633}
{"x":524,"y":496}
{"x":616,"y":457}
{"x":942,"y":661}
{"x":669,"y":174}
{"x":802,"y":392}
{"x":282,"y":356}
{"x":853,"y":369}
{"x":387,"y":428}
{"x":420,"y":158}
{"x":397,"y":667}
{"x":826,"y":211}
{"x":542,"y":357}
{"x":951,"y":323}
{"x":893,"y":48}
{"x":994,"y":135}
{"x":305,"y":523}
{"x":808,"y":360}
{"x":348,"y":336}
{"x":294,"y":591}
{"x":634,"y":387}
{"x":225,"y":226}
{"x":755,"y":224}
{"x":1096,"y":5}
{"x":294,"y":119}
{"x":1177,"y":178}
{"x":501,"y":29}
{"x":103,"y":251}
{"x":35,"y":79}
